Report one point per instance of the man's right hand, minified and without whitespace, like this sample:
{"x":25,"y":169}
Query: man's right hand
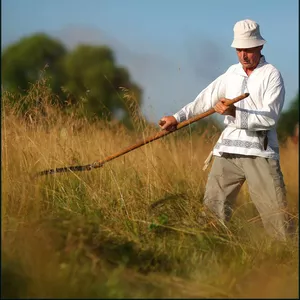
{"x":169,"y":123}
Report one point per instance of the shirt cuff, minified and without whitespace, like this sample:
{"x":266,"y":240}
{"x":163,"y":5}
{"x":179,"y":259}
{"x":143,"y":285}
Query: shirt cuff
{"x":180,"y":116}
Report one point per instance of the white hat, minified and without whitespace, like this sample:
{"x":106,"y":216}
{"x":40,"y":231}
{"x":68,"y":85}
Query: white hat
{"x":247,"y":35}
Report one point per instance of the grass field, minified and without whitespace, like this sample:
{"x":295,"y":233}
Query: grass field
{"x":133,"y":228}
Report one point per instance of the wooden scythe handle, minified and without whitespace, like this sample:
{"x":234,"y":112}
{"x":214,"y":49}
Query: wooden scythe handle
{"x":166,"y":132}
{"x":100,"y":163}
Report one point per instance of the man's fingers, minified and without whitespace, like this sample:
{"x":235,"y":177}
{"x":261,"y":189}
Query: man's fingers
{"x":220,"y":107}
{"x":161,"y":122}
{"x":166,"y":126}
{"x":170,"y":127}
{"x":168,"y":123}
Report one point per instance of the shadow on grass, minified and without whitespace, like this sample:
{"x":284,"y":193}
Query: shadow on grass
{"x":13,"y":280}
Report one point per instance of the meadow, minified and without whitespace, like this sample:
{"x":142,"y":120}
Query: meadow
{"x":135,"y":227}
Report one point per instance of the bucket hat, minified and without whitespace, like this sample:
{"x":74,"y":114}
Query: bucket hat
{"x":247,"y":35}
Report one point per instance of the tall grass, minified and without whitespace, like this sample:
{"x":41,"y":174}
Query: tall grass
{"x":133,"y":228}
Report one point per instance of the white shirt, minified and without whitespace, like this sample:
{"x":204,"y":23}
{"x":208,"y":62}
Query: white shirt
{"x":256,"y":115}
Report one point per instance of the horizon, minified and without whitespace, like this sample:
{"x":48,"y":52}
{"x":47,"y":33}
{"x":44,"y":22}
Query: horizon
{"x":172,"y":54}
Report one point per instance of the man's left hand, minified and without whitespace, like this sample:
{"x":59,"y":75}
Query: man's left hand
{"x":223,"y":109}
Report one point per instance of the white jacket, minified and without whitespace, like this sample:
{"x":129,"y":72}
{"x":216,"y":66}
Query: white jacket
{"x":256,"y":115}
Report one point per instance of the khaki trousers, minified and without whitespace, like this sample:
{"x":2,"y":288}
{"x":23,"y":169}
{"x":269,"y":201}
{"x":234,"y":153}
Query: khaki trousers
{"x":265,"y":184}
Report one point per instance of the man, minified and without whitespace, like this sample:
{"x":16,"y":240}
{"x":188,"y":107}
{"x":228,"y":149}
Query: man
{"x":248,"y":147}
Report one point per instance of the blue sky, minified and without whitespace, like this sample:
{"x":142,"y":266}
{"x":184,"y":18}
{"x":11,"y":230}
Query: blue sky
{"x":172,"y":48}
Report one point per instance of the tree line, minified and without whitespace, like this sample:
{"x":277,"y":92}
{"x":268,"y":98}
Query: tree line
{"x":89,"y":76}
{"x":289,"y":120}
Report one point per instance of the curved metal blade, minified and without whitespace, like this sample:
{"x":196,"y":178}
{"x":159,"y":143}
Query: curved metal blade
{"x":67,"y":169}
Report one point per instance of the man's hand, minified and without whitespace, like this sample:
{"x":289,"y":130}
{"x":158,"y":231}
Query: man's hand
{"x":169,"y":123}
{"x":223,"y":109}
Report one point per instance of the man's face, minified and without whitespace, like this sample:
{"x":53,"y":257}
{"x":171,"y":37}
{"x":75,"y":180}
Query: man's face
{"x":249,"y":58}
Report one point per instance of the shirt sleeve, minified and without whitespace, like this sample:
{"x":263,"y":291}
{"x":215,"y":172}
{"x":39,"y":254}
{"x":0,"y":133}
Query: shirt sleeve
{"x":266,"y":117}
{"x":206,"y":99}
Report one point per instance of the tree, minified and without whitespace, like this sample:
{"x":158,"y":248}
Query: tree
{"x":94,"y":79}
{"x":288,"y":120}
{"x":88,"y":74}
{"x":22,"y":63}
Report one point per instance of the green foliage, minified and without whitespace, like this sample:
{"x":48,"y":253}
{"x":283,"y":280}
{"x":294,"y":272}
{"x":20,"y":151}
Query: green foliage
{"x":23,"y":62}
{"x":94,"y":79}
{"x":88,"y":75}
{"x":288,"y":120}
{"x":162,"y":220}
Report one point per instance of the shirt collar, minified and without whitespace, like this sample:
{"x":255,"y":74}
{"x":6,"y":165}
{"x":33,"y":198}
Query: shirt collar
{"x":262,"y":61}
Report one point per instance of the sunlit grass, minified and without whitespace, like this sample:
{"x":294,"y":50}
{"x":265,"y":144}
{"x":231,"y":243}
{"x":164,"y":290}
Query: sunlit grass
{"x":133,"y":228}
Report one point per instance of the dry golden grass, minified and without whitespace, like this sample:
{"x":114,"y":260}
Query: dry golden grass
{"x":132,"y":228}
